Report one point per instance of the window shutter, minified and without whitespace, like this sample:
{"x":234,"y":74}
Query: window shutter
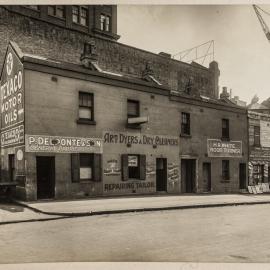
{"x":75,"y":167}
{"x":124,"y":167}
{"x":142,"y":167}
{"x":97,"y":168}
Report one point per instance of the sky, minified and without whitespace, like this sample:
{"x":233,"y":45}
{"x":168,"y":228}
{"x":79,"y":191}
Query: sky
{"x":241,"y":48}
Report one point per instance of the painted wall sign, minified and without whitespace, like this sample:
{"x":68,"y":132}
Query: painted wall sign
{"x":12,"y":91}
{"x":112,"y":167}
{"x":265,"y":133}
{"x":12,"y":136}
{"x":145,"y":139}
{"x":128,"y":186}
{"x":218,"y":148}
{"x":59,"y":144}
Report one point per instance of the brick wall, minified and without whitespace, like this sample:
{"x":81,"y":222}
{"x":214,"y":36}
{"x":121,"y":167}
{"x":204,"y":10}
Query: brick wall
{"x":45,"y":39}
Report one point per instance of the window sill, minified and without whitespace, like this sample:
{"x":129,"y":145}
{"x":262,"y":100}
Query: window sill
{"x":185,"y":135}
{"x":225,"y":139}
{"x":86,"y":122}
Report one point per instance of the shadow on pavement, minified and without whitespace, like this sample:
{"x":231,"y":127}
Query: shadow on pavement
{"x":6,"y":205}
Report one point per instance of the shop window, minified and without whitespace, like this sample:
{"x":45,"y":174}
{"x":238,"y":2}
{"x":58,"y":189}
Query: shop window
{"x":86,"y":106}
{"x":105,"y":23}
{"x":257,"y":136}
{"x":225,"y":129}
{"x":80,"y":15}
{"x":133,"y":167}
{"x":57,"y":11}
{"x":258,"y":173}
{"x":86,"y":167}
{"x":225,"y":169}
{"x":185,"y":124}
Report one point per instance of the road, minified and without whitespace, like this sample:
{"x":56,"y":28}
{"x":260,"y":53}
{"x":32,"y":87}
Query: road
{"x":224,"y":234}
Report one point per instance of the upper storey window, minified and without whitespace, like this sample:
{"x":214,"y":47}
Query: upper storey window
{"x":57,"y":11}
{"x":105,"y":23}
{"x":79,"y":15}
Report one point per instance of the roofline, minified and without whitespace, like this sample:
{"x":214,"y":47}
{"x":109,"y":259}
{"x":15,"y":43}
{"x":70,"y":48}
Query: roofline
{"x":79,"y":72}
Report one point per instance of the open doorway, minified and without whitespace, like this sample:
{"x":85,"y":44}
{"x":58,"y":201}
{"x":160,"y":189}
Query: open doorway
{"x":45,"y":177}
{"x":188,"y":175}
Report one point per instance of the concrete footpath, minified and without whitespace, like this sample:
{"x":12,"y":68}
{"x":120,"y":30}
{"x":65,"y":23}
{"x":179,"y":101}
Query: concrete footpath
{"x":18,"y":211}
{"x":99,"y":206}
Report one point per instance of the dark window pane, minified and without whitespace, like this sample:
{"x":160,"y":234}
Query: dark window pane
{"x":60,"y":11}
{"x":51,"y":10}
{"x":257,"y":135}
{"x":133,"y":108}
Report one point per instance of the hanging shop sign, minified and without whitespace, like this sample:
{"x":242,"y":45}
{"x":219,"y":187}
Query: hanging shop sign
{"x":12,"y":136}
{"x":218,"y":148}
{"x":12,"y":91}
{"x":59,"y":144}
{"x":139,"y":139}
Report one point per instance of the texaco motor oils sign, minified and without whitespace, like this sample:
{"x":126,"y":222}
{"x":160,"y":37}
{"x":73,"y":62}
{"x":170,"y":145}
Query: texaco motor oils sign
{"x":12,"y":100}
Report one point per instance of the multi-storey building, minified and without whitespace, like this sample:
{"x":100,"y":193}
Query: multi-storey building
{"x":84,"y":115}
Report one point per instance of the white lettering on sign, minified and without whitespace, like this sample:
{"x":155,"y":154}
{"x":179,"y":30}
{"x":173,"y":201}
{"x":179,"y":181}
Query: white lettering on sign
{"x":218,"y":148}
{"x":12,"y":136}
{"x":12,"y":91}
{"x":57,"y":144}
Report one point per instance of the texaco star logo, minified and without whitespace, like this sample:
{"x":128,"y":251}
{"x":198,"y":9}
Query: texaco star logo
{"x":9,"y":63}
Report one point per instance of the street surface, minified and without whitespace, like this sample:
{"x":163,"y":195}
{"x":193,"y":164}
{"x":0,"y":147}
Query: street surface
{"x":223,"y":234}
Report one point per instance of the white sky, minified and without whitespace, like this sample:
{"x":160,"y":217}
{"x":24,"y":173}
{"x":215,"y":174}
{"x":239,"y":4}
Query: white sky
{"x":241,"y":48}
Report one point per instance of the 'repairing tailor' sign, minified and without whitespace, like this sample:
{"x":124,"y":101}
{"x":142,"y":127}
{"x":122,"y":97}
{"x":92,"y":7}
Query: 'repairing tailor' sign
{"x":59,"y":144}
{"x":12,"y":136}
{"x":218,"y":148}
{"x":12,"y":91}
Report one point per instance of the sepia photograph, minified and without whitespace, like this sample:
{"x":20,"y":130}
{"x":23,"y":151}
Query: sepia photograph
{"x":134,"y":135}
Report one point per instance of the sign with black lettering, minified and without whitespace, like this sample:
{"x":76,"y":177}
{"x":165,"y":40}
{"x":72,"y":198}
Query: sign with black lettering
{"x":60,"y":144}
{"x":137,"y":139}
{"x":218,"y":148}
{"x":12,"y":91}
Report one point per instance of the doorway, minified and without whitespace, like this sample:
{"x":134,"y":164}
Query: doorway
{"x":206,"y":177}
{"x":11,"y":167}
{"x":161,"y":174}
{"x":242,"y":176}
{"x":45,"y":177}
{"x":188,"y":173}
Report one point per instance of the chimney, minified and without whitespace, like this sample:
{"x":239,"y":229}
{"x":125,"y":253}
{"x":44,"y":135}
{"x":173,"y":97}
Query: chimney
{"x":224,"y":93}
{"x":213,"y":66}
{"x":89,"y":55}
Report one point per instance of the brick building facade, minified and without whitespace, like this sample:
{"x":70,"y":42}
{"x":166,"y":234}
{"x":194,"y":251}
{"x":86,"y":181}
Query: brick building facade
{"x":103,"y":118}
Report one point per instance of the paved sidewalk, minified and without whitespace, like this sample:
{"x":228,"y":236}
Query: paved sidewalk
{"x":97,"y":206}
{"x":12,"y":213}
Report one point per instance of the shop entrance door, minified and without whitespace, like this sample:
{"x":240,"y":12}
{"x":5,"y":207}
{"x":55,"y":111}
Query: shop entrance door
{"x":161,"y":174}
{"x":206,"y":177}
{"x":45,"y":177}
{"x":188,"y":173}
{"x":242,"y":176}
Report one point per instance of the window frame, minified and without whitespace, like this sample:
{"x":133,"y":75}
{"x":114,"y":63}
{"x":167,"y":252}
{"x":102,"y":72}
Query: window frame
{"x":55,"y":8}
{"x":185,"y":124}
{"x":90,"y":121}
{"x":91,"y":158}
{"x":257,"y":137}
{"x":225,"y":131}
{"x":137,"y":176}
{"x":137,"y":104}
{"x":103,"y":23}
{"x":80,"y":8}
{"x":226,"y":169}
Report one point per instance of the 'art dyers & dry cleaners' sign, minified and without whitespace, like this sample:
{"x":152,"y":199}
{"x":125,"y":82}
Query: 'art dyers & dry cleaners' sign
{"x":218,"y":148}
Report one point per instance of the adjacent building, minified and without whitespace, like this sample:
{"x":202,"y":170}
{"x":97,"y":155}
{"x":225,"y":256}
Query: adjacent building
{"x":84,"y":115}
